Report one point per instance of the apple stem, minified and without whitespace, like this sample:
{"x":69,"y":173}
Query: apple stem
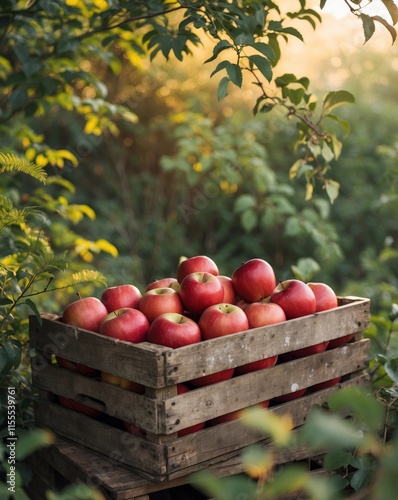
{"x":281,"y":284}
{"x":78,"y":295}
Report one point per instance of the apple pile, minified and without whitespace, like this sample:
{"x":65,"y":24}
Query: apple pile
{"x":198,"y":304}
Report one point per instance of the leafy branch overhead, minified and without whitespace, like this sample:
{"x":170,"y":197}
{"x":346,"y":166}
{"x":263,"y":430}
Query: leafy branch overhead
{"x":46,"y":46}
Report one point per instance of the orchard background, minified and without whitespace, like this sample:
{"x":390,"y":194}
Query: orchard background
{"x":132,"y":133}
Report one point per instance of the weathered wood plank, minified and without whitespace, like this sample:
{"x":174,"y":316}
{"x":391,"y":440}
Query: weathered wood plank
{"x":194,"y":451}
{"x":148,"y":458}
{"x":217,"y":399}
{"x":105,"y":397}
{"x":143,"y":363}
{"x":258,"y":343}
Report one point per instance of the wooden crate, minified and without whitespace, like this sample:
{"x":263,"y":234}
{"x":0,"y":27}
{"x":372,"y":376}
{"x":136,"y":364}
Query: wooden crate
{"x":161,"y":454}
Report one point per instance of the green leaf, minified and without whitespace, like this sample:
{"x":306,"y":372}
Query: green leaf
{"x":222,"y":45}
{"x":263,"y":65}
{"x":391,"y":368}
{"x":327,"y":153}
{"x":285,"y":79}
{"x":361,"y":405}
{"x":31,"y":441}
{"x":235,"y":74}
{"x":324,"y":429}
{"x":334,"y":99}
{"x":223,"y":488}
{"x":368,"y":26}
{"x":265,"y":49}
{"x":360,"y":479}
{"x":336,"y":458}
{"x":222,"y":90}
{"x":344,"y":124}
{"x":18,"y":98}
{"x":332,"y":189}
{"x":249,"y":220}
{"x":13,"y":349}
{"x":34,"y":309}
{"x":306,"y":268}
{"x":245,"y":201}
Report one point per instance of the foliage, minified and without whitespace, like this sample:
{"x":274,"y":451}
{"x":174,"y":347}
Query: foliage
{"x":47,"y":63}
{"x":29,"y":267}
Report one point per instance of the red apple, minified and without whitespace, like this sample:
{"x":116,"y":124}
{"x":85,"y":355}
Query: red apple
{"x":80,"y":407}
{"x":263,"y":313}
{"x":174,"y":330}
{"x":340,"y":341}
{"x":213,"y":378}
{"x":324,"y":295}
{"x":181,"y":389}
{"x":123,"y":383}
{"x":324,"y":385}
{"x":229,"y":291}
{"x":120,"y":296}
{"x":199,"y":263}
{"x":295,"y":297}
{"x":200,"y":290}
{"x":261,"y":364}
{"x":126,"y":324}
{"x":290,"y":396}
{"x":86,"y":313}
{"x":87,"y":371}
{"x":134,"y":429}
{"x":233,"y":415}
{"x":222,"y":319}
{"x":305,"y":351}
{"x":160,"y":300}
{"x":163,"y":283}
{"x":254,"y":280}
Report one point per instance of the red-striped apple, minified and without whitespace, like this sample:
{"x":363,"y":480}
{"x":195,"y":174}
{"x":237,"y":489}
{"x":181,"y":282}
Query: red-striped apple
{"x":127,"y":324}
{"x":200,"y":290}
{"x":117,"y":297}
{"x":160,"y":300}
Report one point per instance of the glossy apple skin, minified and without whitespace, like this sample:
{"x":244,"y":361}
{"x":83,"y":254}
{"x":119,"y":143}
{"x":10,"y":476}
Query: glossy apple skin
{"x":126,"y":324}
{"x":261,"y":364}
{"x":324,"y":385}
{"x":120,"y":296}
{"x":123,"y":383}
{"x":181,"y":389}
{"x":264,"y":313}
{"x":163,"y":283}
{"x":254,"y":280}
{"x":199,"y":291}
{"x":305,"y":351}
{"x":87,"y":371}
{"x":80,"y":407}
{"x":222,"y":319}
{"x":230,"y":295}
{"x":295,"y":297}
{"x":160,"y":300}
{"x":86,"y":313}
{"x":134,"y":429}
{"x":289,"y":397}
{"x":198,"y":263}
{"x":174,"y":330}
{"x":340,"y":341}
{"x":324,"y":295}
{"x":213,"y":378}
{"x":233,"y":415}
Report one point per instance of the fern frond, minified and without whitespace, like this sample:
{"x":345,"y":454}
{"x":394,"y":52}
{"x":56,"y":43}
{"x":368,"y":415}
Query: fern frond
{"x":87,"y":276}
{"x":9,"y":162}
{"x":9,"y":215}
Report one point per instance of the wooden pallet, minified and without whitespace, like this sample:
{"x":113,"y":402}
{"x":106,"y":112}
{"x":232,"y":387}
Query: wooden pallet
{"x":161,"y":455}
